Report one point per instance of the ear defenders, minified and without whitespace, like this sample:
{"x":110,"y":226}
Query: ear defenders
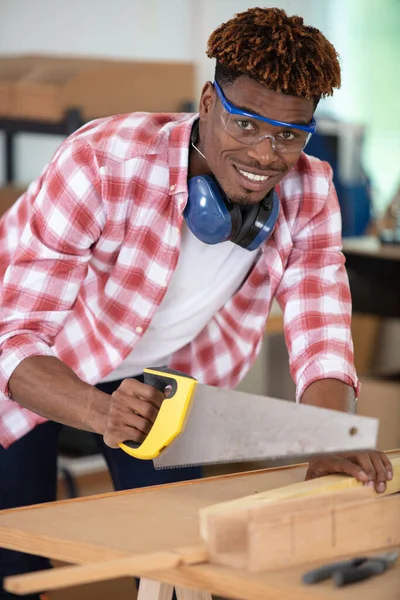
{"x":213,"y":218}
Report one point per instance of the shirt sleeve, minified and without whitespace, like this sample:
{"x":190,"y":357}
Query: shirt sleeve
{"x":42,"y":282}
{"x":314,"y":293}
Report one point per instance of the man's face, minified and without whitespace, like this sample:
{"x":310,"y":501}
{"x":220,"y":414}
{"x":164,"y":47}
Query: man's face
{"x":247,"y":173}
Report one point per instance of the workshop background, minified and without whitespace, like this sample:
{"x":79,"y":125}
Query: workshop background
{"x":63,"y":63}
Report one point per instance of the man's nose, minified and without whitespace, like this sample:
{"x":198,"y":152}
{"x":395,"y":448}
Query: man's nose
{"x":263,"y":152}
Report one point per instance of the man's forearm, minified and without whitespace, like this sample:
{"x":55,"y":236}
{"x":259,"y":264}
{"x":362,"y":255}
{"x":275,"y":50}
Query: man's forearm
{"x":47,"y":387}
{"x":330,"y":393}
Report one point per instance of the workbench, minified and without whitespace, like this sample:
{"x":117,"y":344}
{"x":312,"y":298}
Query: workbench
{"x":374,"y":274}
{"x":122,"y":524}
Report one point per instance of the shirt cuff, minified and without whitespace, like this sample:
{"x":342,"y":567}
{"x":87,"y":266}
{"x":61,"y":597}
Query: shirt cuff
{"x":15,"y":422}
{"x":14,"y":351}
{"x":327,"y":368}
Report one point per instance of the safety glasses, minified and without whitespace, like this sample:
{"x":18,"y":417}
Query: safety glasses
{"x":251,"y":129}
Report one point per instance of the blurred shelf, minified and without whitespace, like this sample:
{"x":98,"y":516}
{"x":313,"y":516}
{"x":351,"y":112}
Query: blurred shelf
{"x":57,"y":94}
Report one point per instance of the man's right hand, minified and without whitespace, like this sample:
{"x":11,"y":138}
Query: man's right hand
{"x":133,"y":410}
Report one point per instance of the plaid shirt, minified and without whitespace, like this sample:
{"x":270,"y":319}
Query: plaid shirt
{"x":89,"y":249}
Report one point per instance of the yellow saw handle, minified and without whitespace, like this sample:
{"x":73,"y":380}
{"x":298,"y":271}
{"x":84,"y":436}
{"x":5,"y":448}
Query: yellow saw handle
{"x":171,"y":417}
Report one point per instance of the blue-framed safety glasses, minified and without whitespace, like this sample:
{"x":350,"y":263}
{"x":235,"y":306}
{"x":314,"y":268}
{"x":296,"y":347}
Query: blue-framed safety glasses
{"x":251,"y":129}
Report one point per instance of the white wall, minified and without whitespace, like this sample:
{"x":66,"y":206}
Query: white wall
{"x":150,"y":29}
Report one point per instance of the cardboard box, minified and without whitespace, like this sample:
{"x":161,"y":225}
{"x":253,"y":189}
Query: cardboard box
{"x":45,"y":87}
{"x":380,"y":398}
{"x":11,"y":70}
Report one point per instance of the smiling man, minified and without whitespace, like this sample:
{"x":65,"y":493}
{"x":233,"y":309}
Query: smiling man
{"x":157,"y":239}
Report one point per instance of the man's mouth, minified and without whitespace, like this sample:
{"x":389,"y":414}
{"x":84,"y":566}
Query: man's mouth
{"x":253,"y":176}
{"x":254,"y":181}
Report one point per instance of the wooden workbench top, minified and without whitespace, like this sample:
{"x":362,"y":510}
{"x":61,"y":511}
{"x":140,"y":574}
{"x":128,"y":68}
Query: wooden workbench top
{"x":371,"y":246}
{"x":162,"y":518}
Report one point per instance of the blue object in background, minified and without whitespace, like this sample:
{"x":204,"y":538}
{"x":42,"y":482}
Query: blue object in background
{"x":354,"y":199}
{"x":355,"y":205}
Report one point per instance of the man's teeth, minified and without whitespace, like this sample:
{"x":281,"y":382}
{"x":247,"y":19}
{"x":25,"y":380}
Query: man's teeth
{"x":252,"y":176}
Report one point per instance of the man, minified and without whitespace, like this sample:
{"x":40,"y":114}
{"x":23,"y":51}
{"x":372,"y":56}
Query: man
{"x":113,"y":266}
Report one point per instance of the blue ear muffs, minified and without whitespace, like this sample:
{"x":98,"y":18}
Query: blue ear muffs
{"x":213,"y":218}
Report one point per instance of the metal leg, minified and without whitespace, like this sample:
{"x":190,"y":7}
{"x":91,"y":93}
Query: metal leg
{"x":9,"y":157}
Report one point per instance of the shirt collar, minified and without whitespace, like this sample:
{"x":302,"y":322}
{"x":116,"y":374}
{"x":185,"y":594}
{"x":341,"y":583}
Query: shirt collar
{"x":178,"y":159}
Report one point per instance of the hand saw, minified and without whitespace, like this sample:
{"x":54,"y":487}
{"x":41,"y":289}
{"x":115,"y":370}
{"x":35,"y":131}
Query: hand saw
{"x":199,"y":424}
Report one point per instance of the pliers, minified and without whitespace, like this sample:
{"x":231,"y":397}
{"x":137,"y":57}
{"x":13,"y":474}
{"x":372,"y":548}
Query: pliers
{"x":350,"y":571}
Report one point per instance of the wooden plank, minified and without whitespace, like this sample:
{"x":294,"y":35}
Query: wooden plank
{"x":325,"y":531}
{"x":56,"y":579}
{"x":321,"y":518}
{"x":62,"y":577}
{"x":329,"y":483}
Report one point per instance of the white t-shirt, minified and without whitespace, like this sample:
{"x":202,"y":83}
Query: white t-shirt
{"x":205,"y":278}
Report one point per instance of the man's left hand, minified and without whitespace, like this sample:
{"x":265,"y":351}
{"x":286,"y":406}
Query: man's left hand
{"x":373,"y":468}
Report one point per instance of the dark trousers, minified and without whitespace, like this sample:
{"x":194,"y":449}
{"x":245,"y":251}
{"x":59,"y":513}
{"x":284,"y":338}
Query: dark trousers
{"x":28,"y":475}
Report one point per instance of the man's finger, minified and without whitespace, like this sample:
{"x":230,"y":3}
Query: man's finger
{"x":329,"y":465}
{"x":387,"y":464}
{"x":363,"y":459}
{"x":348,"y":467}
{"x":380,"y":470}
{"x":145,"y":410}
{"x":131,"y":388}
{"x":141,"y":424}
{"x":113,"y":439}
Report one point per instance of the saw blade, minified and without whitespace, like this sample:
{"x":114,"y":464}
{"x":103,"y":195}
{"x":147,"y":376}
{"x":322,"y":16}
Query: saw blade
{"x":225,"y":426}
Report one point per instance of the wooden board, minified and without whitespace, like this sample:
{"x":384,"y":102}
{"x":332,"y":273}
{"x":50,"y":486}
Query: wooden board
{"x":162,"y":518}
{"x":272,"y":498}
{"x":319,"y":519}
{"x":300,"y":530}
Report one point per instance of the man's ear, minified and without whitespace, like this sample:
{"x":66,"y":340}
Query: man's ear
{"x":207,"y":101}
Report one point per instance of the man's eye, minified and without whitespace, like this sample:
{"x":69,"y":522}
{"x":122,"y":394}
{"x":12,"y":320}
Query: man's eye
{"x":287,"y":135}
{"x":245,"y":125}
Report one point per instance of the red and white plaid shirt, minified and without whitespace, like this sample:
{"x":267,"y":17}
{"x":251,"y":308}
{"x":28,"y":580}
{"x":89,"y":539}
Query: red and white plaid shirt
{"x":88,"y":252}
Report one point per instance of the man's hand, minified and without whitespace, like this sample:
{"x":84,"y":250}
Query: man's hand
{"x":373,"y":468}
{"x":133,"y":410}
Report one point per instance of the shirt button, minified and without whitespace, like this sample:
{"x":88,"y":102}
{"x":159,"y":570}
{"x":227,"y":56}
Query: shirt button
{"x":139,"y":329}
{"x":171,"y":188}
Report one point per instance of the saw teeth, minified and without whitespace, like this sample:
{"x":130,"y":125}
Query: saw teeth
{"x":214,"y":463}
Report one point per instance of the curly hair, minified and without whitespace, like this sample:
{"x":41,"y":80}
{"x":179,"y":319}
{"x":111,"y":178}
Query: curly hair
{"x":277,"y":51}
